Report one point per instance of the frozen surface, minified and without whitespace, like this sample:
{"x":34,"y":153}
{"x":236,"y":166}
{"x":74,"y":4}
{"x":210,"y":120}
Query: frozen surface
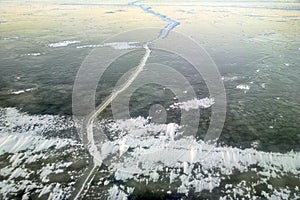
{"x":40,"y":160}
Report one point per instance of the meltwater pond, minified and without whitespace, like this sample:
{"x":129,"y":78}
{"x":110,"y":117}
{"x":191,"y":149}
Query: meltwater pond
{"x":149,"y":155}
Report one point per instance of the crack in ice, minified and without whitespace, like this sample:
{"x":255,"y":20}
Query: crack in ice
{"x":97,"y":159}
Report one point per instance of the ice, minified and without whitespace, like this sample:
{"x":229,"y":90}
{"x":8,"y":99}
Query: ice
{"x":116,"y":194}
{"x":171,"y":129}
{"x":153,"y":147}
{"x":10,"y":38}
{"x":57,"y":193}
{"x":123,"y":147}
{"x":16,"y":122}
{"x":194,"y":104}
{"x":32,"y":54}
{"x":115,"y":45}
{"x":89,"y":46}
{"x":63,"y":43}
{"x":45,"y":171}
{"x":92,"y":148}
{"x":45,"y":190}
{"x":154,"y":176}
{"x":91,"y":144}
{"x":22,"y":91}
{"x":21,"y":136}
{"x":172,"y":156}
{"x":18,"y":172}
{"x":244,"y":87}
{"x":232,"y":78}
{"x":123,"y":45}
{"x":20,"y":131}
